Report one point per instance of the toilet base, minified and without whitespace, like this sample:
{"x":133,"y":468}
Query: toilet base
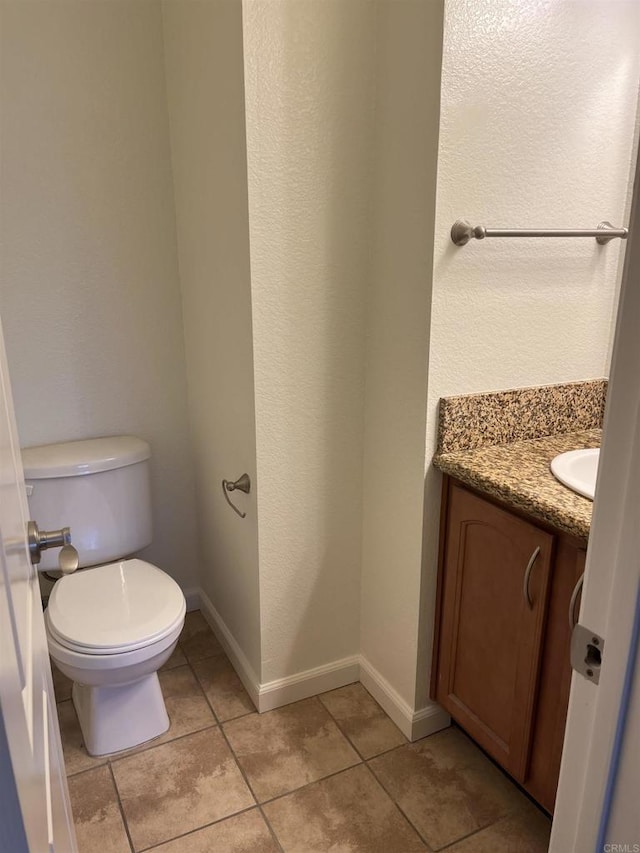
{"x":121,"y":716}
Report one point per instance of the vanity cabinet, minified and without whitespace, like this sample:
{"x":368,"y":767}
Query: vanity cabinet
{"x":501,"y":657}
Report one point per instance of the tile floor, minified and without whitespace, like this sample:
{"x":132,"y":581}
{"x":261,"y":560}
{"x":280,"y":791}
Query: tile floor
{"x":331,"y":773}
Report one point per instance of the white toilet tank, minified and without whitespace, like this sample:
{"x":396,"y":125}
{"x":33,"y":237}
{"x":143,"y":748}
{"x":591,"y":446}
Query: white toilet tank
{"x":99,"y":487}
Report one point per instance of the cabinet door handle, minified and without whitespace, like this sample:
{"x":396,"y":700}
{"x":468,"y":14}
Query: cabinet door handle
{"x":572,"y":603}
{"x":527,"y":575}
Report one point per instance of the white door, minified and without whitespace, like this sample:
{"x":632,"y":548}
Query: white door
{"x":597,"y":803}
{"x":34,"y":800}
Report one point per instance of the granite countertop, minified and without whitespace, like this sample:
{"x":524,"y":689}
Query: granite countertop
{"x":518,"y":474}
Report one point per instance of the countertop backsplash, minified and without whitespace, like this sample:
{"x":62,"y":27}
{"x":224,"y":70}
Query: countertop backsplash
{"x":501,"y":417}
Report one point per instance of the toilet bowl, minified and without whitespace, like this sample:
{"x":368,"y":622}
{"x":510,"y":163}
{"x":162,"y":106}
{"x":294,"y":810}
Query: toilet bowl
{"x":109,"y":629}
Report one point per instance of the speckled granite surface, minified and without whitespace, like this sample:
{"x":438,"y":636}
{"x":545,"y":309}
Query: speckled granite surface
{"x":518,"y":474}
{"x":478,"y":420}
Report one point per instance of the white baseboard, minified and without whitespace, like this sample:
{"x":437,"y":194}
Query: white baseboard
{"x":429,"y":720}
{"x":310,"y":682}
{"x":282,"y":691}
{"x":241,"y":664}
{"x":413,"y":724}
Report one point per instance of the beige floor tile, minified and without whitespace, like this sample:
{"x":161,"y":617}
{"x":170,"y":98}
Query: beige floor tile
{"x":362,"y":720}
{"x":177,"y":659}
{"x":61,"y":684}
{"x":446,"y":786}
{"x":224,"y":689}
{"x":243,"y":833}
{"x":97,"y":818}
{"x":284,"y":749}
{"x":197,"y":640}
{"x":525,"y":832}
{"x":346,"y":813}
{"x":76,"y":757}
{"x":179,"y":786}
{"x":187,"y":706}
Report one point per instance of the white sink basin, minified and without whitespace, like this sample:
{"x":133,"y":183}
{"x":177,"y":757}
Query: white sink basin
{"x":578,"y":470}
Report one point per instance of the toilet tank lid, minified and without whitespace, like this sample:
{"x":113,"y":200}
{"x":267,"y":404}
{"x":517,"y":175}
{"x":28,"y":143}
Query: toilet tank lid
{"x":88,"y":456}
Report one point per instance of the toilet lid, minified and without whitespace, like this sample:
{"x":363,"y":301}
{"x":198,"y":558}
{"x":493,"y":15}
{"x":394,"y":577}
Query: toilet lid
{"x":114,"y":608}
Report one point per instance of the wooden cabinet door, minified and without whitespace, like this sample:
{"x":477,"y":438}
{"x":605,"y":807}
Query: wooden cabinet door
{"x":490,"y":634}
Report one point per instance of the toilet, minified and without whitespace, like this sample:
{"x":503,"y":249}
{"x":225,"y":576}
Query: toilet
{"x":115,"y":621}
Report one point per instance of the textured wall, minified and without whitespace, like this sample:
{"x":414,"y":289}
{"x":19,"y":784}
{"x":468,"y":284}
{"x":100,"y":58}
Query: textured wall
{"x":537,"y":125}
{"x":309,"y":108}
{"x":203,"y":48}
{"x":408,"y":48}
{"x":89,"y":292}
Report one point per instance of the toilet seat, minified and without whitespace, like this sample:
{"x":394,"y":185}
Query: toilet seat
{"x":114,"y":609}
{"x":96,"y":668}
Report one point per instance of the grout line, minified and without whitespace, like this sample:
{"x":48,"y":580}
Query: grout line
{"x":286,"y":793}
{"x":468,"y":835}
{"x":314,"y":782}
{"x":121,"y":807}
{"x":294,"y":790}
{"x":341,"y":730}
{"x":226,"y":739}
{"x":206,"y":698}
{"x":197,"y":829}
{"x":363,"y":757}
{"x":271,"y":829}
{"x":477,"y":831}
{"x":210,"y":704}
{"x":400,"y":809}
{"x":235,"y":758}
{"x":396,"y":803}
{"x":239,"y":766}
{"x":239,"y":717}
{"x":86,"y":769}
{"x":502,"y":817}
{"x":506,"y":816}
{"x":387,"y":751}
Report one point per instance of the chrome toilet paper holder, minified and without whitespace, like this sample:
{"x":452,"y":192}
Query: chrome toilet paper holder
{"x":242,"y":484}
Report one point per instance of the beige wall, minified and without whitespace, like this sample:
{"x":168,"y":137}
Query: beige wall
{"x":543,"y":139}
{"x":203,"y":48}
{"x":409,"y":39}
{"x":89,"y":293}
{"x":308,"y":71}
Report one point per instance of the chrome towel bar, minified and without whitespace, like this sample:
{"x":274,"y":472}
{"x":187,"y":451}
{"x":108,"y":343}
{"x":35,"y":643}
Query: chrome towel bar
{"x":462,"y":232}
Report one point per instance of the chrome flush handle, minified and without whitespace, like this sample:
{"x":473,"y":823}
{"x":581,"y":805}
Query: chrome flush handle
{"x":41,"y":540}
